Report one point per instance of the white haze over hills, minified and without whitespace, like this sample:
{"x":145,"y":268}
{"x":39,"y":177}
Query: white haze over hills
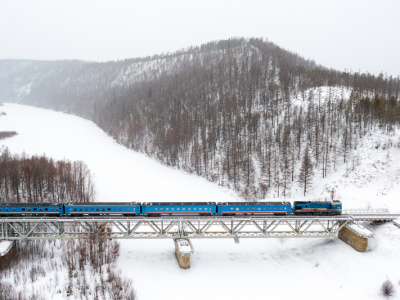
{"x":220,"y":269}
{"x":357,"y":34}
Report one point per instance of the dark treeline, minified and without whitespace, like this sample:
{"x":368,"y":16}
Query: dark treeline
{"x":41,"y":179}
{"x":224,"y":110}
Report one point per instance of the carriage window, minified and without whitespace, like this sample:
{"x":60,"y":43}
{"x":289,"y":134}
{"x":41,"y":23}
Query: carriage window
{"x":34,"y":209}
{"x":242,"y":208}
{"x":254,"y":208}
{"x":264,"y":208}
{"x":92,"y":209}
{"x":160,"y":208}
{"x":200,"y":208}
{"x":23,"y":209}
{"x":231,"y":208}
{"x":270,"y":208}
{"x":189,"y":208}
{"x":156,"y":209}
{"x":52,"y":209}
{"x":275,"y":208}
{"x":39,"y":209}
{"x":237,"y":208}
{"x":103,"y":209}
{"x":248,"y":208}
{"x":109,"y":209}
{"x":285,"y":208}
{"x":86,"y":209}
{"x":167,"y":209}
{"x":195,"y":208}
{"x":183,"y":208}
{"x":46,"y":209}
{"x":120,"y":209}
{"x":178,"y":208}
{"x":97,"y":209}
{"x":258,"y":208}
{"x":7,"y":209}
{"x":172,"y":208}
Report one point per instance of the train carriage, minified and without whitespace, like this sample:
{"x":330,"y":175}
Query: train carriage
{"x":317,"y":207}
{"x":172,"y":208}
{"x":15,"y":209}
{"x":102,"y":208}
{"x":178,"y":208}
{"x":254,"y":208}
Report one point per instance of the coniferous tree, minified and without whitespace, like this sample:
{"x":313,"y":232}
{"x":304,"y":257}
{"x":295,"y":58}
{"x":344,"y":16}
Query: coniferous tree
{"x":306,"y":171}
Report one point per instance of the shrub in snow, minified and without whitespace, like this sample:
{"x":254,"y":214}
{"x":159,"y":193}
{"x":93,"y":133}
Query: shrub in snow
{"x":387,"y":289}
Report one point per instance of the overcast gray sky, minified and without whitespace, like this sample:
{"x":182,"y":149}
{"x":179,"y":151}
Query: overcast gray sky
{"x":342,"y":34}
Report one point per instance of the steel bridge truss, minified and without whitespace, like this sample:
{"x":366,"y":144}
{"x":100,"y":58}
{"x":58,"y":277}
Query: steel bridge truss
{"x":171,"y":228}
{"x":15,"y":228}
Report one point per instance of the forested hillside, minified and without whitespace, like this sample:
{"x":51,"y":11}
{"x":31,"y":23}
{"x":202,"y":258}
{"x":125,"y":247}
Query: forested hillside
{"x":242,"y":113}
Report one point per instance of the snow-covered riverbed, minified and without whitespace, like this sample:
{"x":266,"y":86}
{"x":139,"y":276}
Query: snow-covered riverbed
{"x":221,"y":269}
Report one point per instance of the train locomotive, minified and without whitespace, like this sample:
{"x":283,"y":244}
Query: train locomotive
{"x":157,"y":209}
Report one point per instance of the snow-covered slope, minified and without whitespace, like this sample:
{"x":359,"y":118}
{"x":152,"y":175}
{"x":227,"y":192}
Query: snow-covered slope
{"x":220,"y":269}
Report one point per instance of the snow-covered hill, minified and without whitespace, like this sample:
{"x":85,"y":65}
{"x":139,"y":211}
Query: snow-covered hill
{"x":221,"y":269}
{"x":240,"y":112}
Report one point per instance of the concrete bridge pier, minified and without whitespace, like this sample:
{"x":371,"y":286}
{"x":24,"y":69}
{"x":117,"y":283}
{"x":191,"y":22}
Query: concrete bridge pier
{"x":183,"y":251}
{"x":8,"y":250}
{"x":356,"y":236}
{"x":396,"y":223}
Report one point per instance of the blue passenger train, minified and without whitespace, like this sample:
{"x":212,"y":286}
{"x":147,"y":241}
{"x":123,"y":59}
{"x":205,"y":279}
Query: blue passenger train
{"x":156,"y":209}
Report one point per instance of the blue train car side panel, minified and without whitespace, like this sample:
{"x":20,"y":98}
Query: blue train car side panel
{"x":178,"y":208}
{"x":255,"y":208}
{"x":102,"y":208}
{"x":31,"y":209}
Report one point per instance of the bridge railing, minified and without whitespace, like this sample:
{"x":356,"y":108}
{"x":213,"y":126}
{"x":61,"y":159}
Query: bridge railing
{"x":366,"y":211}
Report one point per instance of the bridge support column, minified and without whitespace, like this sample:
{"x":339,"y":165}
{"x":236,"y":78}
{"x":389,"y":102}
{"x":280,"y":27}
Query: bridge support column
{"x":8,"y":250}
{"x":183,"y":251}
{"x":357,"y":240}
{"x":396,"y":223}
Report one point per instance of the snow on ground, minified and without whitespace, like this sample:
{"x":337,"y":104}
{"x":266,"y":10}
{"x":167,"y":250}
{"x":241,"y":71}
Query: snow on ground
{"x":221,"y":269}
{"x":119,"y":174}
{"x":320,"y":95}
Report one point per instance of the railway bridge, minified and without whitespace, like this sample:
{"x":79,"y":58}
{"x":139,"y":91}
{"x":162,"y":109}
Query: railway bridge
{"x":181,"y":228}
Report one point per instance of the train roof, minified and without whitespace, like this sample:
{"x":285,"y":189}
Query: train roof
{"x":101,"y":203}
{"x":254,"y":203}
{"x":318,"y":202}
{"x":177,"y":203}
{"x":30,"y":204}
